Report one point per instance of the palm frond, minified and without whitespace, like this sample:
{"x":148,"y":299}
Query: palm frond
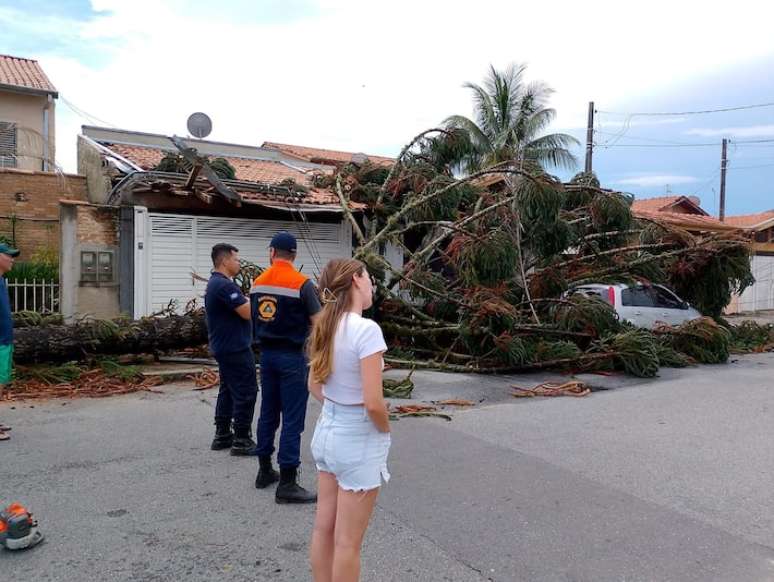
{"x":537,"y":123}
{"x":553,"y":150}
{"x":509,"y":116}
{"x":484,"y":109}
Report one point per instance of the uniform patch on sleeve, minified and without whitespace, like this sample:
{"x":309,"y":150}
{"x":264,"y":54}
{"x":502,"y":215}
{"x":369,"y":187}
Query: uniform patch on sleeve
{"x":234,"y":295}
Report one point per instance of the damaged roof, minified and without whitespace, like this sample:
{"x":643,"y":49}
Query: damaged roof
{"x":690,"y":222}
{"x":325,"y":156}
{"x":247,"y":169}
{"x":258,"y":181}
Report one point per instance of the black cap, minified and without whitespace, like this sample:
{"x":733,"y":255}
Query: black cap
{"x":284,"y":241}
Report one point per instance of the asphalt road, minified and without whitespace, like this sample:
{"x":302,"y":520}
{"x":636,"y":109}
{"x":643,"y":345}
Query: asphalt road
{"x":669,"y":479}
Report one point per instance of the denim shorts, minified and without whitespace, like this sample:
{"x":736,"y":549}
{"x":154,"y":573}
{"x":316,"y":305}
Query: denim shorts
{"x":347,"y":444}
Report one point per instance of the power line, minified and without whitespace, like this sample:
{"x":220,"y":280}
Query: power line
{"x":625,"y":126}
{"x":658,"y":145}
{"x":84,"y":114}
{"x":750,"y":143}
{"x":700,"y":112}
{"x":662,"y":141}
{"x":749,"y":167}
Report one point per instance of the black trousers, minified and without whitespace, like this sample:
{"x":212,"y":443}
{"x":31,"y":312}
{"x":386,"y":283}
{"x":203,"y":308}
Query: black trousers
{"x":238,"y":388}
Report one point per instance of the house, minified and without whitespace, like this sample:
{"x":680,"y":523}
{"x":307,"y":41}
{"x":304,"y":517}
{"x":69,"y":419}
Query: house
{"x":29,"y":188}
{"x":27,"y":115}
{"x":143,"y":241}
{"x":681,"y":211}
{"x":760,"y":295}
{"x":675,"y":204}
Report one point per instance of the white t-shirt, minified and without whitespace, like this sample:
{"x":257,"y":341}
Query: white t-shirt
{"x":356,"y":338}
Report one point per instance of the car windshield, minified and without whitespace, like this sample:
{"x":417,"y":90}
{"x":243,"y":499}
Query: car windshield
{"x":650,"y":296}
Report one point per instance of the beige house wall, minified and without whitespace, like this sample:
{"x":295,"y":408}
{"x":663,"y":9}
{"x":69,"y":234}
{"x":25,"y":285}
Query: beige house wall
{"x":27,"y":111}
{"x":97,"y":174}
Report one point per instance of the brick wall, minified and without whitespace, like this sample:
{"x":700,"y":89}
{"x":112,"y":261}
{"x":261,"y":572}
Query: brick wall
{"x":97,"y":225}
{"x":29,"y":207}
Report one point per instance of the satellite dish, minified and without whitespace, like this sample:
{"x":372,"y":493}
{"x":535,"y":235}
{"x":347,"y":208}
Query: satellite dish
{"x":199,"y":125}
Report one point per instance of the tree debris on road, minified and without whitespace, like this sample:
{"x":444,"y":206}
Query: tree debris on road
{"x":88,"y":384}
{"x":551,"y":389}
{"x":207,"y":379}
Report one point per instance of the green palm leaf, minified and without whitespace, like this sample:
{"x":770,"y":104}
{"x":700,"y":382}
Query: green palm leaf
{"x":511,"y":120}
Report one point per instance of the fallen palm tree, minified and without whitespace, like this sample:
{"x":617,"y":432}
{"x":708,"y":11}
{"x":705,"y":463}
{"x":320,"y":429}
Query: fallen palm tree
{"x":84,"y":339}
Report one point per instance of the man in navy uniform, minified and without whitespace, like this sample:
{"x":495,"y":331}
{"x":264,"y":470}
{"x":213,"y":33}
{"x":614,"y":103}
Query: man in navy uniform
{"x":230,"y":334}
{"x":283,"y":302}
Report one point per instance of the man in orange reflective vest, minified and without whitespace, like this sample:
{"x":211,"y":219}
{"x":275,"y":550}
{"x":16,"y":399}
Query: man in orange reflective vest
{"x":283,"y":303}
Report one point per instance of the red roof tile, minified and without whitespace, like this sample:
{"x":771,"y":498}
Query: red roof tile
{"x":750,"y":221}
{"x":654,"y":204}
{"x":322,"y":155}
{"x":24,"y":73}
{"x":248,"y":170}
{"x":692,"y":222}
{"x":664,"y":203}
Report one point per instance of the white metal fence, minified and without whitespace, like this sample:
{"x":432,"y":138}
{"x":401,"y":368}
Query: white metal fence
{"x":35,"y":295}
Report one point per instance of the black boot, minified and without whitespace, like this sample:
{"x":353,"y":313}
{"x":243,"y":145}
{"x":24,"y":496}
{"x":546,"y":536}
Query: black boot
{"x":243,"y":444}
{"x":289,"y":491}
{"x":223,"y":437}
{"x":266,"y":473}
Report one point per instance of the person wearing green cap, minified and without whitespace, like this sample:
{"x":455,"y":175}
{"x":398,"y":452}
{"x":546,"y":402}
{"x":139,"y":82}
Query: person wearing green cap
{"x":7,"y":256}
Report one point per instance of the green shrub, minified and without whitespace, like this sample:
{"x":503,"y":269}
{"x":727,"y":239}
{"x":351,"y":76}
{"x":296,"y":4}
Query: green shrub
{"x":32,"y":270}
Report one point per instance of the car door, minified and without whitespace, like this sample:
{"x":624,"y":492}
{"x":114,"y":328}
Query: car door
{"x":673,"y":309}
{"x":638,"y":306}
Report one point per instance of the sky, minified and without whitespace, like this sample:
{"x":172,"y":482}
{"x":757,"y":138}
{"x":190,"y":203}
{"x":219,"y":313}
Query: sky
{"x":367,"y":76}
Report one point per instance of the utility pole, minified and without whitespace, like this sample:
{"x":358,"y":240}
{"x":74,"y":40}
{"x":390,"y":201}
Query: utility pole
{"x":590,"y":137}
{"x":723,"y":164}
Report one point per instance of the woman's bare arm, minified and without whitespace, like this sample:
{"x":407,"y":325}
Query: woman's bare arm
{"x":315,"y":389}
{"x":373,"y":395}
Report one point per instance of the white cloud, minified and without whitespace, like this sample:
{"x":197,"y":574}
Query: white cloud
{"x":649,"y":180}
{"x":354,"y":77}
{"x":746,"y":131}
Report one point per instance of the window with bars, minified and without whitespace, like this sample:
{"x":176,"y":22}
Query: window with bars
{"x":97,"y":266}
{"x":7,"y":144}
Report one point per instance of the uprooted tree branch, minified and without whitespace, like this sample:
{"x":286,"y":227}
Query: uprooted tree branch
{"x":488,"y":259}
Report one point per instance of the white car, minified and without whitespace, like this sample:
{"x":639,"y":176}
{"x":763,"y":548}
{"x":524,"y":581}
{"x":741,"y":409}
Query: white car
{"x":641,"y":305}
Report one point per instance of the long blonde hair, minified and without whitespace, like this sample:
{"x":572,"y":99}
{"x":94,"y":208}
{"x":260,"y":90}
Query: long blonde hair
{"x":336,"y":294}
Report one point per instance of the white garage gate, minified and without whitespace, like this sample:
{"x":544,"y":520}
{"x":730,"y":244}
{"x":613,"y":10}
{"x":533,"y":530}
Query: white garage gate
{"x":177,"y":249}
{"x":760,"y":295}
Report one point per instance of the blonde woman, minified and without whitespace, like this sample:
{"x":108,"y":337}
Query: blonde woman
{"x":352,"y":437}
